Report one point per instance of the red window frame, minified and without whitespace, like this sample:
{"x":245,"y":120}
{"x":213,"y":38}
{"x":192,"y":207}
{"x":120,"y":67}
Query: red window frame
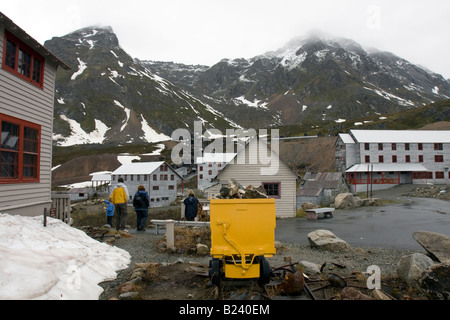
{"x":438,"y":158}
{"x":27,"y":154}
{"x":23,"y":61}
{"x":394,"y":159}
{"x":439,"y":175}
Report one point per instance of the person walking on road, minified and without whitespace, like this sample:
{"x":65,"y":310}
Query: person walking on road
{"x":119,"y":197}
{"x":141,"y":202}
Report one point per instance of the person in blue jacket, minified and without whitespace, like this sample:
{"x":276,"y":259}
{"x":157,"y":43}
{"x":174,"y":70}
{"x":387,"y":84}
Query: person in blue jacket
{"x":191,"y":203}
{"x":109,"y":212}
{"x":141,"y":202}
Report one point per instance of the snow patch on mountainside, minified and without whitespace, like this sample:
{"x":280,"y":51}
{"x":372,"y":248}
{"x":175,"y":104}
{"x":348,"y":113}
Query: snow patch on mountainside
{"x":150,"y":135}
{"x":79,"y":136}
{"x":81,"y":67}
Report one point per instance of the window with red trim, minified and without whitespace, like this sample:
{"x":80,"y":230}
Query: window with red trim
{"x":19,"y":150}
{"x":21,"y":60}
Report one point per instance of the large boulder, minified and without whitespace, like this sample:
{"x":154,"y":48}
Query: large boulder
{"x":411,"y":266}
{"x":326,"y":240}
{"x":438,"y":245}
{"x":346,"y":201}
{"x":435,"y":281}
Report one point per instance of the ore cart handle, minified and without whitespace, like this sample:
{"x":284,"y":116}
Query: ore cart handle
{"x":226,"y":225}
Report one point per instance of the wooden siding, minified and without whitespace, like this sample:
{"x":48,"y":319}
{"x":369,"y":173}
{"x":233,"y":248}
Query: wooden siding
{"x":249,"y":173}
{"x":23,"y":100}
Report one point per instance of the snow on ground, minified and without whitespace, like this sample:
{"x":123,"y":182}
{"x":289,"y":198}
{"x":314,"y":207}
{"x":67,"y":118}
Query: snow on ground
{"x":126,"y":159}
{"x":56,"y":262}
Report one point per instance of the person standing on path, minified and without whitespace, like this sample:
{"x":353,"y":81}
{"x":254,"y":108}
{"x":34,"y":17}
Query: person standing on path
{"x":109,"y":212}
{"x":119,"y":197}
{"x":191,"y":203}
{"x":141,"y":202}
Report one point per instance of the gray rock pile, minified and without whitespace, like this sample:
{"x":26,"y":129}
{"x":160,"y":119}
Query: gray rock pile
{"x":349,"y":201}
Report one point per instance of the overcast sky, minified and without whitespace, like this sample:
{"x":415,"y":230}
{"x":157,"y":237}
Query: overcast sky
{"x":205,"y":31}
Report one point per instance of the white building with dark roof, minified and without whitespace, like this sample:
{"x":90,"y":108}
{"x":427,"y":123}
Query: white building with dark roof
{"x":159,"y":179}
{"x":385,"y":158}
{"x":209,"y":166}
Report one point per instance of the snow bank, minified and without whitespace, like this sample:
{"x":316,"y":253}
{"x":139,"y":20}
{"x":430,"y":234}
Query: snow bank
{"x":53,"y":262}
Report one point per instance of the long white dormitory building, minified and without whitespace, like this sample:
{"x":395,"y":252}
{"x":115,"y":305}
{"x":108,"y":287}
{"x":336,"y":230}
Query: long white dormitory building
{"x":385,"y":158}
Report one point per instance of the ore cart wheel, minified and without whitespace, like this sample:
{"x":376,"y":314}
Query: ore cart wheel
{"x":215,"y":271}
{"x":265,"y":272}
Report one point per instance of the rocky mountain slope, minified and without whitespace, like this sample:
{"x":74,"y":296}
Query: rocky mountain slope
{"x":316,"y":79}
{"x":109,"y":97}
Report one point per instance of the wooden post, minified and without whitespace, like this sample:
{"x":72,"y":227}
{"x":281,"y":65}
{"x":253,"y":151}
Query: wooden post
{"x":45,"y":217}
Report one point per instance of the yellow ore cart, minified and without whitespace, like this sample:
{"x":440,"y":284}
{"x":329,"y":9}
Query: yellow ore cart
{"x":242,"y":236}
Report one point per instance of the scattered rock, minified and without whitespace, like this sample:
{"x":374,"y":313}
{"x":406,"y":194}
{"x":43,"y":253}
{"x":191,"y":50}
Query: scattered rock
{"x":349,"y":293}
{"x":310,"y":266}
{"x":411,"y":266}
{"x":380,"y":295}
{"x":202,"y":249}
{"x":326,"y":240}
{"x":437,"y":192}
{"x":129,"y":295}
{"x":435,"y":281}
{"x":366,"y":202}
{"x":438,"y":245}
{"x":349,"y":201}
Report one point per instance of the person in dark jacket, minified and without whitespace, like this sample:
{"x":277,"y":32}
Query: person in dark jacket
{"x":191,"y":203}
{"x":141,"y":202}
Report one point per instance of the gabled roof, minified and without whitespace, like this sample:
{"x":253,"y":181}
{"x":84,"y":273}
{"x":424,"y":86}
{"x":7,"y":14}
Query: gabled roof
{"x":25,"y":37}
{"x":346,"y":138}
{"x":244,"y":150}
{"x":141,"y":168}
{"x":315,"y":183}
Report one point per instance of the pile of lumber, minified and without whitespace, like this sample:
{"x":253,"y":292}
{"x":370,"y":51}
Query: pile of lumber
{"x":234,"y":190}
